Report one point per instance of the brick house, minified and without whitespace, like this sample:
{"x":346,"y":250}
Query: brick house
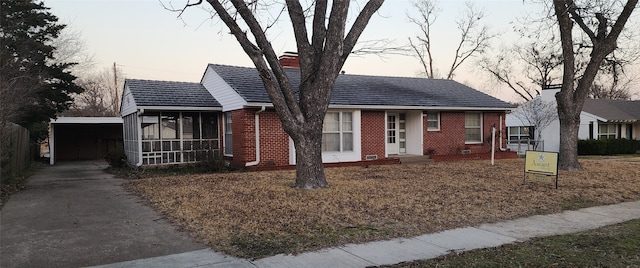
{"x":369,"y":117}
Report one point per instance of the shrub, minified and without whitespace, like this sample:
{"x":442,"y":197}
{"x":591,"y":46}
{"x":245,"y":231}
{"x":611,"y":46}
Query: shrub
{"x":215,"y":162}
{"x":116,"y":159}
{"x":608,"y":147}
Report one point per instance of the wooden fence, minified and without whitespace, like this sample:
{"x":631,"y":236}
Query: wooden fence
{"x":15,"y":151}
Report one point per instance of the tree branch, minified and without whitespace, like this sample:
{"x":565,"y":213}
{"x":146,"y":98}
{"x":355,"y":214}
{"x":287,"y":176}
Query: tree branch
{"x":358,"y":27}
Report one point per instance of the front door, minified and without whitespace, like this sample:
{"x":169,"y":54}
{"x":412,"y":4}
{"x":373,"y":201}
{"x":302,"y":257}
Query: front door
{"x":396,"y":136}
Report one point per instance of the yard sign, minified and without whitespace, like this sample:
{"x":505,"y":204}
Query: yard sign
{"x":541,"y":166}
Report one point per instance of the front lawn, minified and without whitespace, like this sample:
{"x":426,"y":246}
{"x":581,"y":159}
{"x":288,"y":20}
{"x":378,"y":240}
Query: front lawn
{"x":257,"y":214}
{"x":611,"y":246}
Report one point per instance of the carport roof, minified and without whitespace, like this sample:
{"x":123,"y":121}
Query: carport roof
{"x":87,"y":120}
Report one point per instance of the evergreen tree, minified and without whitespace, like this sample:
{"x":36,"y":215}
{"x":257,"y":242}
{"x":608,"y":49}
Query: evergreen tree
{"x":34,"y":86}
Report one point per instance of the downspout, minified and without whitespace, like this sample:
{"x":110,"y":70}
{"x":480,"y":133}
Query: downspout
{"x":501,"y":149}
{"x":257,"y":126}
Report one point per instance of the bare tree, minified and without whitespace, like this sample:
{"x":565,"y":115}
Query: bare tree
{"x":614,"y":88}
{"x":537,"y":113}
{"x":322,"y":53}
{"x":71,"y":47}
{"x":599,"y":30}
{"x":525,"y":69}
{"x":474,"y":37}
{"x":101,"y":96}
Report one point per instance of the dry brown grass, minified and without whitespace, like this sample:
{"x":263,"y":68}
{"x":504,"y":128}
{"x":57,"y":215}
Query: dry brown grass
{"x":258,"y":214}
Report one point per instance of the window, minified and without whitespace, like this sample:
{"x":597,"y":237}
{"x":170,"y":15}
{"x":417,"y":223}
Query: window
{"x":228,"y":137}
{"x":473,"y":127}
{"x":391,"y":129}
{"x":607,"y":131}
{"x":433,"y":121}
{"x":337,"y":132}
{"x":520,"y":134}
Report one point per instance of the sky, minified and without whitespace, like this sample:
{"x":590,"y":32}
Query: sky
{"x":146,"y":41}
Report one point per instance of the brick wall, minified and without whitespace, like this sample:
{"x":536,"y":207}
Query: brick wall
{"x":274,"y":142}
{"x":450,"y":138}
{"x":243,"y":136}
{"x":373,"y":133}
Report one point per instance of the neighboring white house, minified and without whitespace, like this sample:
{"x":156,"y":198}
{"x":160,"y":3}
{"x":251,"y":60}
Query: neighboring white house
{"x":600,"y":119}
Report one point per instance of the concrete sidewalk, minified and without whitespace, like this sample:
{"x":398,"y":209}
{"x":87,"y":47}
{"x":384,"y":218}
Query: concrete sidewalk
{"x":415,"y":248}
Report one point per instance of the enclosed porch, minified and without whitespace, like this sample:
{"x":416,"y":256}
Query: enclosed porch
{"x":171,"y":137}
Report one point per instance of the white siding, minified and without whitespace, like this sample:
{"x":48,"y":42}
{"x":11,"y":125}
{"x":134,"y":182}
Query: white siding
{"x":131,"y":135}
{"x":414,"y":132}
{"x":128,"y":105}
{"x":551,"y":137}
{"x":585,"y":120}
{"x":513,"y":121}
{"x":221,"y":91}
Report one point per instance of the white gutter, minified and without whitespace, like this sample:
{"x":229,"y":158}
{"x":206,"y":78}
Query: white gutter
{"x":394,"y":107}
{"x":257,"y":126}
{"x":501,"y":149}
{"x":181,"y":108}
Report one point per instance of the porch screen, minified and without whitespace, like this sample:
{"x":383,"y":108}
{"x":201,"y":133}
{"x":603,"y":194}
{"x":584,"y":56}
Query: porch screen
{"x":151,"y":127}
{"x":209,"y":126}
{"x":190,"y":126}
{"x":170,"y":126}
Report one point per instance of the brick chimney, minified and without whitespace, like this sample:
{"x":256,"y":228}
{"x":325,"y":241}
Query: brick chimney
{"x":290,"y":60}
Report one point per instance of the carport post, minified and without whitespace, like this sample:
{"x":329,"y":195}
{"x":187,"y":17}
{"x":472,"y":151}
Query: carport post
{"x":51,"y":139}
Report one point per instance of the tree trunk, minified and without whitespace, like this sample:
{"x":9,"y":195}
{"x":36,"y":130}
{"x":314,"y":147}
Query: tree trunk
{"x":569,"y":125}
{"x":309,"y":168}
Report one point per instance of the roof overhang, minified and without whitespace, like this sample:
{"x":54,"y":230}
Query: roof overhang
{"x":179,"y":108}
{"x":622,"y":121}
{"x":393,"y":107}
{"x":607,"y":120}
{"x":87,"y":120}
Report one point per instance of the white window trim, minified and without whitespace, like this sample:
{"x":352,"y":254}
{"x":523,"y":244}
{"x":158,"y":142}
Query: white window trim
{"x":521,"y":136}
{"x":224,"y":134}
{"x":438,"y":121}
{"x":341,"y":132}
{"x":607,"y":134}
{"x":347,"y":156}
{"x":465,"y":128}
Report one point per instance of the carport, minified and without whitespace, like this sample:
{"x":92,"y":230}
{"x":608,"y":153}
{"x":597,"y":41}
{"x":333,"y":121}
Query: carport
{"x":83,"y":138}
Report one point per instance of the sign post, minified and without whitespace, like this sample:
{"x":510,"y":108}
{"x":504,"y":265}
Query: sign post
{"x":541,"y":166}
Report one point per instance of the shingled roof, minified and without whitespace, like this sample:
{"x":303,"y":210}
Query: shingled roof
{"x":169,"y":93}
{"x":370,"y":90}
{"x":613,"y":110}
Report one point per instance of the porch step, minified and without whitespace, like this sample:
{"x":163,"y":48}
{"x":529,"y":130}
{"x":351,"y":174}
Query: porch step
{"x":414,"y":159}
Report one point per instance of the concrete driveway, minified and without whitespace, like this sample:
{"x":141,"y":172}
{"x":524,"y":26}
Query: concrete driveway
{"x":74,"y":214}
